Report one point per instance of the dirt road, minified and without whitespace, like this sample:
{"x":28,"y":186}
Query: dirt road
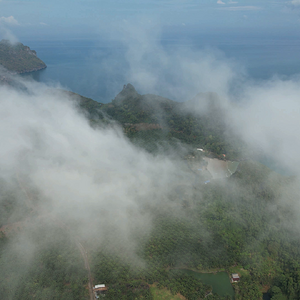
{"x":87,"y":267}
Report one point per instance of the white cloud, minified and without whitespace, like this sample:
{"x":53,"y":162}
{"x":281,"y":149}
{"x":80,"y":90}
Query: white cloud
{"x":295,"y":2}
{"x":73,"y":165}
{"x":9,"y":20}
{"x":232,"y":2}
{"x":189,"y":71}
{"x":43,"y":24}
{"x":220,"y":2}
{"x":241,"y":8}
{"x":8,"y":35}
{"x":205,"y":71}
{"x":267,"y":120}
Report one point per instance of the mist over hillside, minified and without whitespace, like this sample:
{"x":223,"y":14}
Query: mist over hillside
{"x":78,"y":188}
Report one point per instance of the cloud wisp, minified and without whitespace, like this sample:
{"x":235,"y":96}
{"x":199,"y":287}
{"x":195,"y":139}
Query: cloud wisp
{"x":267,"y":111}
{"x":178,"y":72}
{"x":295,"y":2}
{"x":96,"y":179}
{"x":5,"y":23}
{"x":81,"y":173}
{"x":242,"y":8}
{"x":9,"y":21}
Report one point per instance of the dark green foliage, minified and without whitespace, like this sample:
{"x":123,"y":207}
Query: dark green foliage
{"x":150,"y":119}
{"x":187,"y":286}
{"x":91,"y":107}
{"x":247,"y":289}
{"x":44,"y":265}
{"x":19,"y":58}
{"x":129,"y":291}
{"x":238,"y":221}
{"x":287,"y":285}
{"x":12,"y":207}
{"x":221,"y":225}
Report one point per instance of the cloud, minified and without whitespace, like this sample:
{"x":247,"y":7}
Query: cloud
{"x":295,"y":2}
{"x":220,"y":2}
{"x":232,"y":2}
{"x":79,"y":172}
{"x":9,"y":21}
{"x":241,"y":8}
{"x":43,"y":24}
{"x":8,"y":35}
{"x":182,"y":73}
{"x":268,"y":117}
{"x":95,"y":179}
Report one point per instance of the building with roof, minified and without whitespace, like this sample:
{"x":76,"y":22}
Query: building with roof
{"x":235,"y":277}
{"x":99,"y":289}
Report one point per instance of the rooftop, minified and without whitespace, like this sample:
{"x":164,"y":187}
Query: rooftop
{"x":99,"y":286}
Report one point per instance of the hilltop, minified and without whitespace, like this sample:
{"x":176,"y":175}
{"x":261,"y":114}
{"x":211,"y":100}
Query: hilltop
{"x":150,"y":120}
{"x":19,"y":58}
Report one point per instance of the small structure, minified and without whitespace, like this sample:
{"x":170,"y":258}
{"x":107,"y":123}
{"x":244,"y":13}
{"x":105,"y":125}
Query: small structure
{"x":99,"y":289}
{"x":235,"y":277}
{"x":200,"y":149}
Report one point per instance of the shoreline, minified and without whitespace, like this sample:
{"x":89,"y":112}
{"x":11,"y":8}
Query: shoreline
{"x":30,"y":71}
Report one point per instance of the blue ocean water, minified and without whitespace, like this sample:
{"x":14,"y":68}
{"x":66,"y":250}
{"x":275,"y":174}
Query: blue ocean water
{"x":98,"y":69}
{"x":80,"y":66}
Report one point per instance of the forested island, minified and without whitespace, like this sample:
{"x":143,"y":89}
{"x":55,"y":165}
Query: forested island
{"x":19,"y":58}
{"x":236,"y":224}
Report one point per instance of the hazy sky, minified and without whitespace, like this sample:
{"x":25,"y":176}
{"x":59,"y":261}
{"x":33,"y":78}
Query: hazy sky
{"x":88,"y":18}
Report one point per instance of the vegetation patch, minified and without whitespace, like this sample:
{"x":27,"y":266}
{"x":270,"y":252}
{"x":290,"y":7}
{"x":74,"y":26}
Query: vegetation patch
{"x":19,"y":58}
{"x":164,"y":294}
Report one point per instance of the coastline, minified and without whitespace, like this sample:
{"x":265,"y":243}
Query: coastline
{"x":29,"y":71}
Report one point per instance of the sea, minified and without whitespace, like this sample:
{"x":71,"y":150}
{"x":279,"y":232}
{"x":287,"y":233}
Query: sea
{"x":98,"y":69}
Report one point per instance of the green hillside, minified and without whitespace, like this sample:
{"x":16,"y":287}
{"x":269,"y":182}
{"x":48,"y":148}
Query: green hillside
{"x":151,"y":120}
{"x":246,"y":223}
{"x":19,"y":58}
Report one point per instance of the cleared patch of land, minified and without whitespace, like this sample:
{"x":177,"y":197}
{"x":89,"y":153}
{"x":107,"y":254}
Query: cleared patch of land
{"x":220,"y":168}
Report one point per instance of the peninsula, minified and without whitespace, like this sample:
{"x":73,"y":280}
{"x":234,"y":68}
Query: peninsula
{"x":19,"y":58}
